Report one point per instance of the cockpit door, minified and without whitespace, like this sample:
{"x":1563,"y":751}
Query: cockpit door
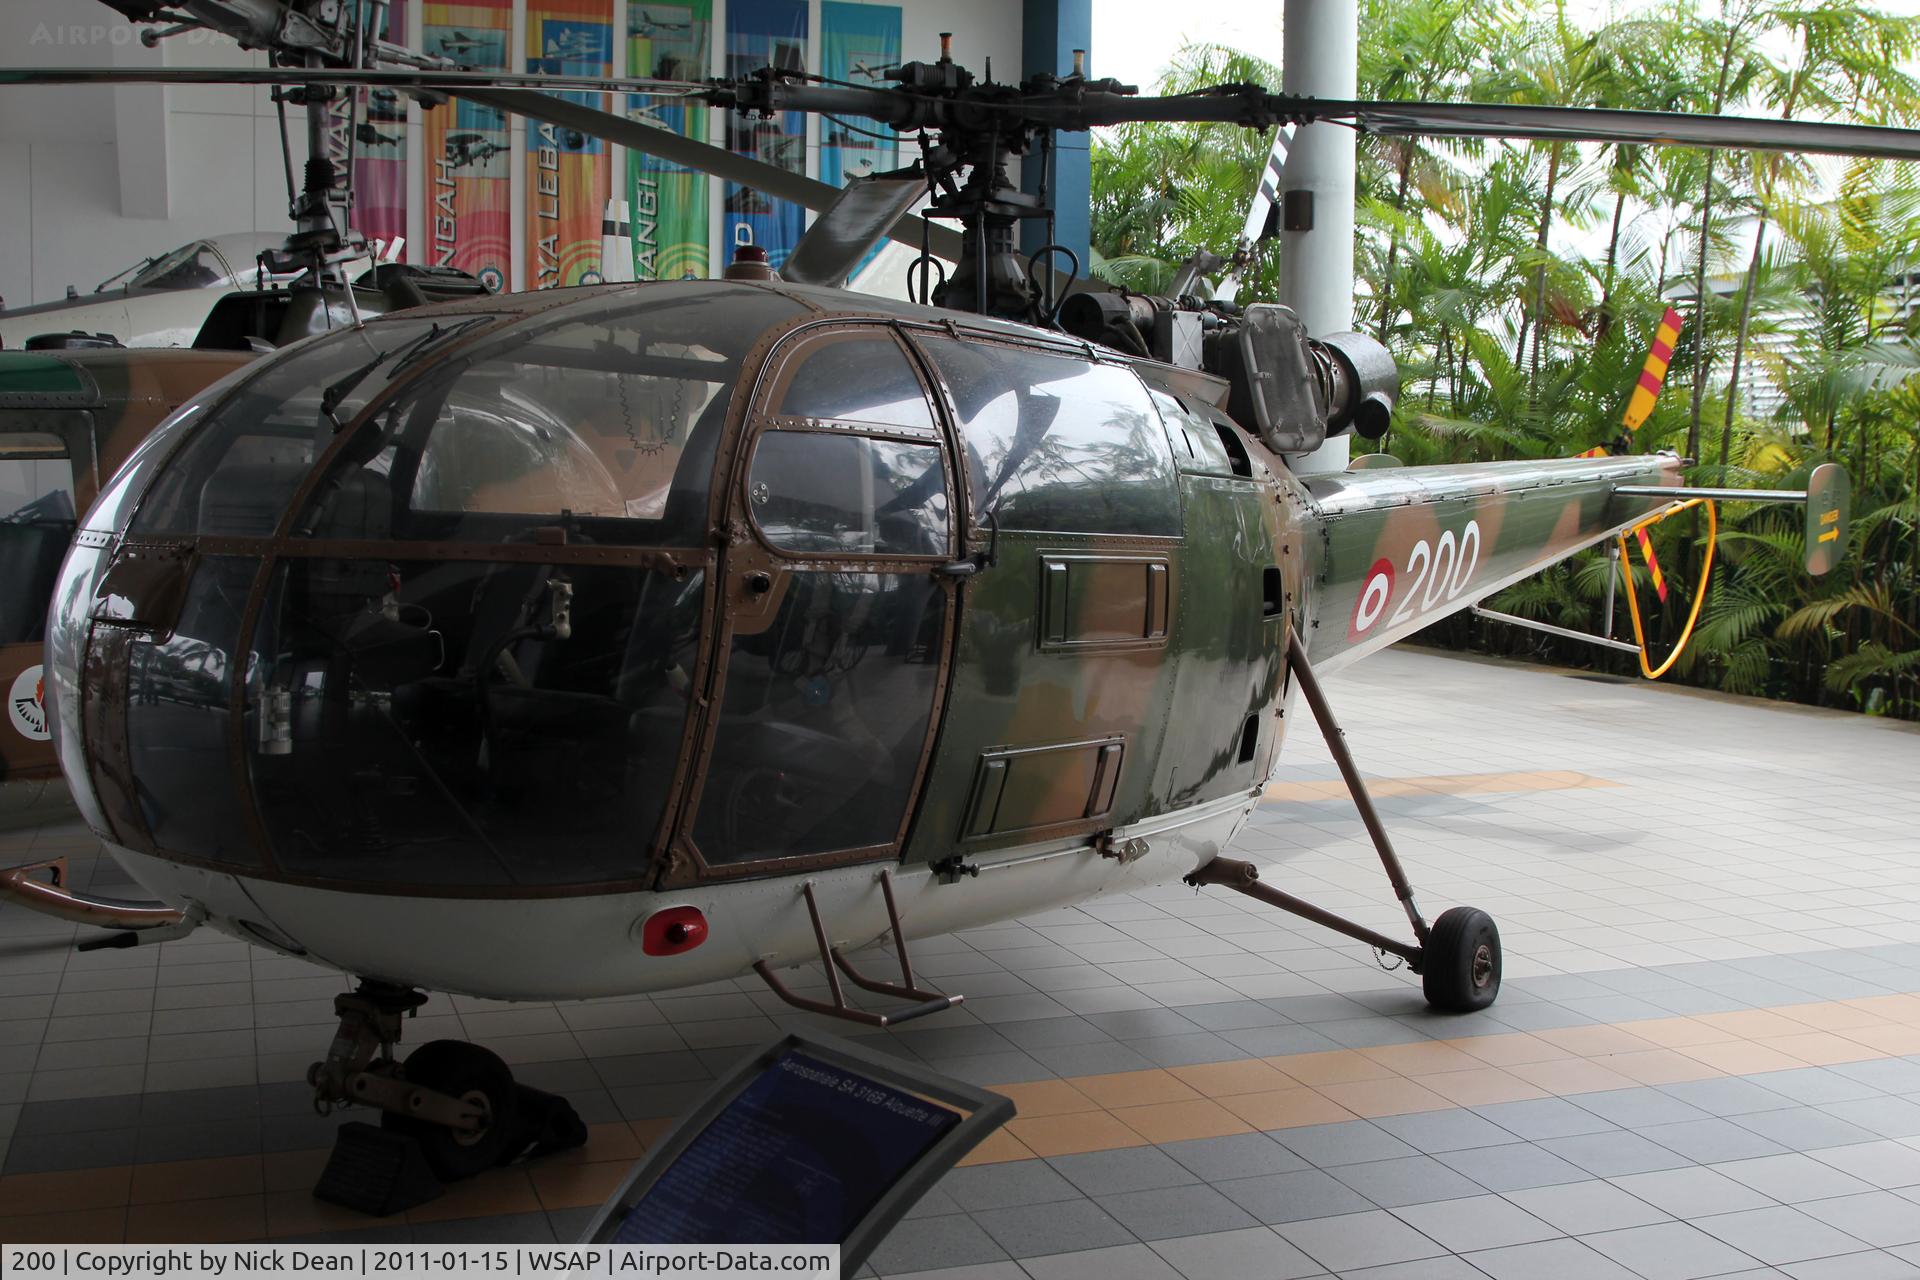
{"x":836,"y":620}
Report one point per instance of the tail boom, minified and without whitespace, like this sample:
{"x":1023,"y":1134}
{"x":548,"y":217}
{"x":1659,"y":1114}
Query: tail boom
{"x":1399,"y":548}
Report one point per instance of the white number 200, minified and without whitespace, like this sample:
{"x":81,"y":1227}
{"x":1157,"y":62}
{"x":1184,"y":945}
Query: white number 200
{"x":1435,"y":572}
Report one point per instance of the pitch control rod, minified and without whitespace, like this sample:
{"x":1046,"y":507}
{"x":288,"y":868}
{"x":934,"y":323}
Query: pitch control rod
{"x":1244,"y":877}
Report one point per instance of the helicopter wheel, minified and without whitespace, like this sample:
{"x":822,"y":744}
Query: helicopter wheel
{"x":472,"y":1074}
{"x":1460,"y":967}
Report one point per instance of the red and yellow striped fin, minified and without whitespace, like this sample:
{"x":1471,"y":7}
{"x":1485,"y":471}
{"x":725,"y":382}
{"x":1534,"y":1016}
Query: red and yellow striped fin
{"x":1653,"y":563}
{"x":1653,"y":374}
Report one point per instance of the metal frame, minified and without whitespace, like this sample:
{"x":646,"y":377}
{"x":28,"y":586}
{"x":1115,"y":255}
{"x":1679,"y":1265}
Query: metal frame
{"x":832,"y":957}
{"x":1244,"y":877}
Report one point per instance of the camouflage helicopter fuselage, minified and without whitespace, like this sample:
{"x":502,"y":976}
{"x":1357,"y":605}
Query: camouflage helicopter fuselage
{"x":68,"y":419}
{"x":461,"y":650}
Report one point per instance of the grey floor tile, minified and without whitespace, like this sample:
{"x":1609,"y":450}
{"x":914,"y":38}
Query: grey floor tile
{"x":1409,"y":1180}
{"x":1804,"y":1128}
{"x":1815,"y":1085}
{"x":1879,"y":1218}
{"x":999,"y":1186}
{"x":77,"y":1115}
{"x":1883,"y":1164}
{"x":929,"y":1244}
{"x":1792,"y":1178}
{"x":1104,"y":1173}
{"x":1240,"y":1155}
{"x":1691,"y":1193}
{"x":1423,"y":1269}
{"x":1537,"y":1118}
{"x":1067,"y":1227}
{"x":1608,"y":1155}
{"x":1872,"y":1265}
{"x":1513,"y":1167}
{"x":57,"y":1152}
{"x":1476,"y":1222}
{"x":1581,"y":1207}
{"x":1728,"y":1097}
{"x":506,"y":1228}
{"x":1779,"y":1235}
{"x":1890,"y":1075}
{"x":1349,"y":1142}
{"x":1292,"y":1197}
{"x":1887,"y":1116}
{"x":1451,"y":1130}
{"x":1262,"y":1042}
{"x":1351,"y":1241}
{"x":1669,"y":1251}
{"x":1711,"y":1140}
{"x":1257,"y":1253}
{"x":1120,"y":1262}
{"x":1096,"y":1059}
{"x":1558,"y":1259}
{"x":1637,"y":1108}
{"x":1238,"y":1015}
{"x":1176,"y":1211}
{"x":1048,"y":1033}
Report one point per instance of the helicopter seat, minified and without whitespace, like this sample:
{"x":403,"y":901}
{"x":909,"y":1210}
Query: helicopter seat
{"x":245,"y":499}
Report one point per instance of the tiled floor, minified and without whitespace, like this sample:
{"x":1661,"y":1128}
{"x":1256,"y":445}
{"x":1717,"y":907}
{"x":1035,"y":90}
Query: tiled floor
{"x":1706,"y":1061}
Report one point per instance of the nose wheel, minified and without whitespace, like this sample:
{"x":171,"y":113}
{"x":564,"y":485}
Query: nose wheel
{"x":482,"y":1084}
{"x":1460,"y":965}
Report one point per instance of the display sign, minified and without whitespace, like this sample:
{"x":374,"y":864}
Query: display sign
{"x":859,"y":43}
{"x":468,"y":184}
{"x":380,"y":152}
{"x":667,"y":202}
{"x":569,"y":173}
{"x":808,"y":1141}
{"x":765,"y":33}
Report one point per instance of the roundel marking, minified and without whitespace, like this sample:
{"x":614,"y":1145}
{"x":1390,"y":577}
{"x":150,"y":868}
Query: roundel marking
{"x":1373,"y":597}
{"x":26,"y":704}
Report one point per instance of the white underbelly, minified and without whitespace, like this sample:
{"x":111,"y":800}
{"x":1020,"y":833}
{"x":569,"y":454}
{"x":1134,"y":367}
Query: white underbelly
{"x":558,"y":948}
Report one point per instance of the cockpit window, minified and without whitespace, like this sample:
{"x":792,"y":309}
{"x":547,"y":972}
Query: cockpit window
{"x":603,"y":421}
{"x":1057,"y":443}
{"x":855,"y":377}
{"x":236,"y":474}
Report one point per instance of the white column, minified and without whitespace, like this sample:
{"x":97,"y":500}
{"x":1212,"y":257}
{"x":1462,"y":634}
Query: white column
{"x":1321,"y":58}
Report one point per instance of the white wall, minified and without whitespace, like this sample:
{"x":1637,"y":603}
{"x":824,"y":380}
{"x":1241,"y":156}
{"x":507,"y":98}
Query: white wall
{"x":93,"y":179}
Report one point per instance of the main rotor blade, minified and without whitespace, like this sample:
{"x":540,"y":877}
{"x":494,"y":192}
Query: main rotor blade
{"x":458,"y":82}
{"x":1594,"y":124}
{"x":862,"y":214}
{"x":782,"y":184}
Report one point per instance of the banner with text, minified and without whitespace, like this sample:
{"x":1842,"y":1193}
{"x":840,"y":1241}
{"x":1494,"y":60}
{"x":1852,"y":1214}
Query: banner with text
{"x":763,"y":33}
{"x":666,"y":202}
{"x":569,"y":174}
{"x":468,"y":184}
{"x":859,"y":43}
{"x":380,"y":153}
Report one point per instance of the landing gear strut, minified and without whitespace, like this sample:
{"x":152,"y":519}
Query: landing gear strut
{"x":1457,"y":957}
{"x":456,"y":1103}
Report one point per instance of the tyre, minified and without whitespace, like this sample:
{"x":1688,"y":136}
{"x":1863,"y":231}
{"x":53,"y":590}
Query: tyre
{"x":1460,"y":969}
{"x":475,"y":1075}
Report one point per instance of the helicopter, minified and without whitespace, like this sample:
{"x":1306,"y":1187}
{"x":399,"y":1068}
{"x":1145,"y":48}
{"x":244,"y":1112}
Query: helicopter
{"x":626,"y":638}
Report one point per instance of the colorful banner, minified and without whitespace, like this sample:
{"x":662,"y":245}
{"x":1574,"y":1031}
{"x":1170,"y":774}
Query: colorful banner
{"x":569,"y":174}
{"x":859,"y":43}
{"x":380,"y":152}
{"x":666,"y":202}
{"x":468,"y":184}
{"x":763,"y":33}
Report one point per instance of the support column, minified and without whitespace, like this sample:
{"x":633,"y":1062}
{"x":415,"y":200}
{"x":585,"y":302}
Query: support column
{"x":1321,"y":60}
{"x":1050,"y":31}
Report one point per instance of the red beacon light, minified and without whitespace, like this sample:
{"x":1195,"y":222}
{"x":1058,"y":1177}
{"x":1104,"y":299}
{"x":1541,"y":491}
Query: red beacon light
{"x":673,"y":931}
{"x":750,"y":263}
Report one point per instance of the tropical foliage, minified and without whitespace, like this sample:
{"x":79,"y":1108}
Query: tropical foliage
{"x":1519,"y":285}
